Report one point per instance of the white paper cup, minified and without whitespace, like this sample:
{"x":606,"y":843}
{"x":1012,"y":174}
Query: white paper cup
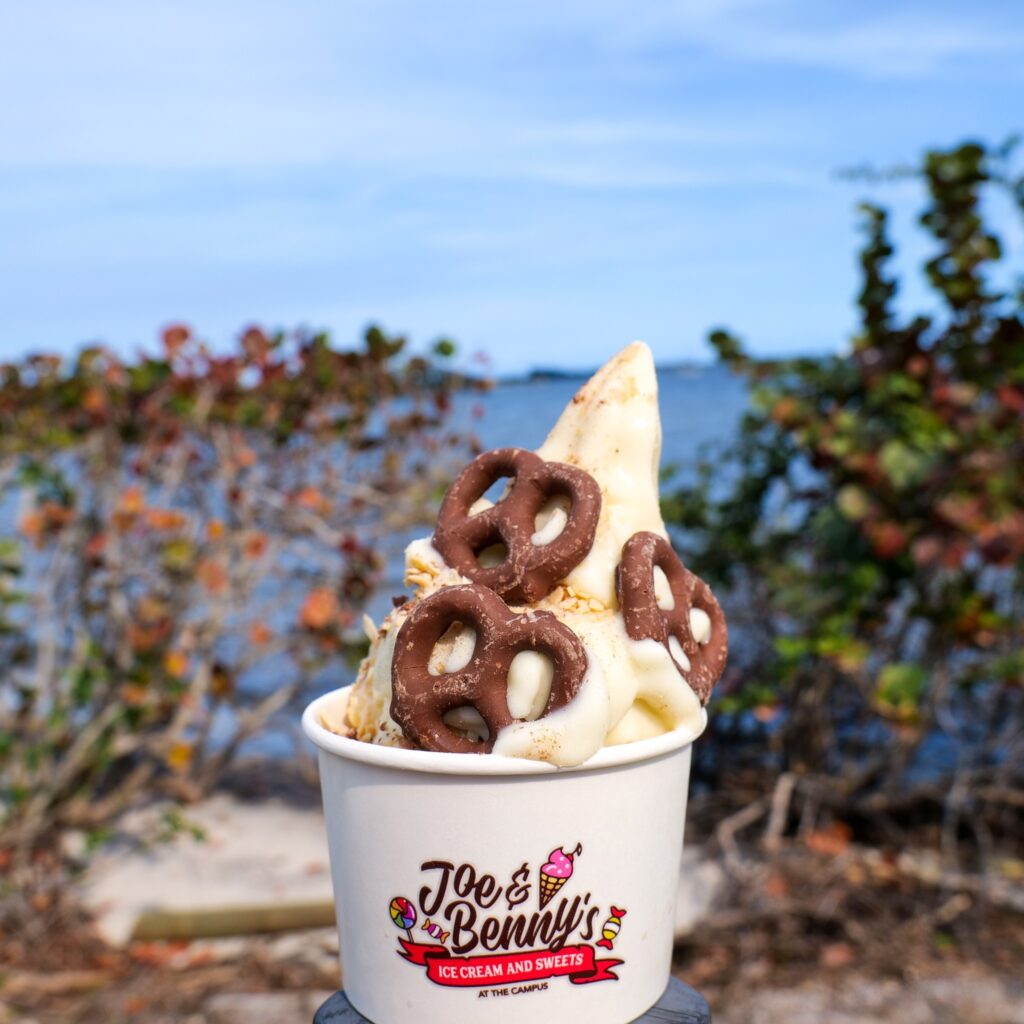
{"x":457,"y":841}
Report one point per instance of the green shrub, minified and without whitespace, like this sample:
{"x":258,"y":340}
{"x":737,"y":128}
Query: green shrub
{"x":869,"y":527}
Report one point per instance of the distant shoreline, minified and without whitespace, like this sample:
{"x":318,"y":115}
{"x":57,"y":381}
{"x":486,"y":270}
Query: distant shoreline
{"x":540,"y":374}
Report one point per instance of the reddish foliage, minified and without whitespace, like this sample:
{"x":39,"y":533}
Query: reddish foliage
{"x":192,"y":515}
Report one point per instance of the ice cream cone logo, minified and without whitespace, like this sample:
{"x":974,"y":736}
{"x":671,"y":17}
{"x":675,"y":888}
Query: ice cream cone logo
{"x":556,"y":872}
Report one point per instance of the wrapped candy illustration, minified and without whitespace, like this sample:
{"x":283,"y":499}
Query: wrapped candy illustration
{"x":434,"y":931}
{"x":610,"y":929}
{"x":556,"y":872}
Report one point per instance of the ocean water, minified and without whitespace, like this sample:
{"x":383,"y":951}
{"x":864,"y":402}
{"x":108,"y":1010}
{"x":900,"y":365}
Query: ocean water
{"x":698,"y":405}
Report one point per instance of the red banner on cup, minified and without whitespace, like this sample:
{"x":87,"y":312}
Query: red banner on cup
{"x":577,"y":963}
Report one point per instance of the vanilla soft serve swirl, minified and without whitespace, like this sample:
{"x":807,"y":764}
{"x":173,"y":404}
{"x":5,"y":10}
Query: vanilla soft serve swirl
{"x":632,"y":689}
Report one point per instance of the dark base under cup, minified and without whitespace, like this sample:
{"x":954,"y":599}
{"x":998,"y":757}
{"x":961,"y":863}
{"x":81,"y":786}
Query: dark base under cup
{"x":679,"y":1005}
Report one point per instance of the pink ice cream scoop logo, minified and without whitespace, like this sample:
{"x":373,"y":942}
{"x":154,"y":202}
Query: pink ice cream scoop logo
{"x":467,"y":911}
{"x":556,"y":873}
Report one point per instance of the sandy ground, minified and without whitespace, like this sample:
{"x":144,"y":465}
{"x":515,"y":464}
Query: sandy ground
{"x":827,"y":933}
{"x":966,"y":999}
{"x":172,"y":992}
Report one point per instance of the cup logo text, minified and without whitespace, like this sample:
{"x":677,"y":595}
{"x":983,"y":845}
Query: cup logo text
{"x":466,"y":928}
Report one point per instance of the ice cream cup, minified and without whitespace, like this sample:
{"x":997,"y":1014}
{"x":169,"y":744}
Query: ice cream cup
{"x":483,"y":888}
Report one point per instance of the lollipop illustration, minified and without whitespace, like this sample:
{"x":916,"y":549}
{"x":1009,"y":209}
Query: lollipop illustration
{"x":556,"y":872}
{"x":403,"y":914}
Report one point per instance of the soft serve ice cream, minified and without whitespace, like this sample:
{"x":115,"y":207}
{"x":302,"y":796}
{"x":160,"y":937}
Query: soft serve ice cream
{"x":557,"y":619}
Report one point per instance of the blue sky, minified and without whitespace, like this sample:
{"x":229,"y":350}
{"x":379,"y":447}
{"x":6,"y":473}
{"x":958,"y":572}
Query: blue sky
{"x":543,"y":181}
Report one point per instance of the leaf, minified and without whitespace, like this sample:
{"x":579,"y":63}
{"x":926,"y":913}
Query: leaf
{"x":319,"y":609}
{"x":164,"y":519}
{"x":831,"y":841}
{"x":888,"y":539}
{"x":10,"y":555}
{"x":847,"y":652}
{"x":255,"y":544}
{"x":222,"y":682}
{"x":130,"y":502}
{"x":179,"y":757}
{"x":902,"y":464}
{"x":175,"y":338}
{"x":212,"y":575}
{"x":260,"y":634}
{"x":727,"y":346}
{"x":853,"y":502}
{"x":32,"y":524}
{"x":313,"y":499}
{"x":899,"y":689}
{"x":132,"y":695}
{"x":176,"y":664}
{"x":836,"y":955}
{"x":95,"y":546}
{"x":792,"y":646}
{"x":178,"y":555}
{"x":94,"y":401}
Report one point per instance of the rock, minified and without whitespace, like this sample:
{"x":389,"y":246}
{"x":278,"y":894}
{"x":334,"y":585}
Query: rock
{"x":253,"y":854}
{"x":979,"y":1000}
{"x":316,"y":948}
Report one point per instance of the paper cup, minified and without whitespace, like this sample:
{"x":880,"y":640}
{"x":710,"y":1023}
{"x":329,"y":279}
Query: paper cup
{"x":482,"y":888}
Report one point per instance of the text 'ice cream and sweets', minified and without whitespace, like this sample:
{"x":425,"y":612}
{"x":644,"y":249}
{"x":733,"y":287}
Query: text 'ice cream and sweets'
{"x":556,"y":619}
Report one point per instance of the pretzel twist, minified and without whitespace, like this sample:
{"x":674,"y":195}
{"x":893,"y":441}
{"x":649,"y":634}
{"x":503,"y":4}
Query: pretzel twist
{"x":420,"y":699}
{"x":529,"y":570}
{"x":645,"y":619}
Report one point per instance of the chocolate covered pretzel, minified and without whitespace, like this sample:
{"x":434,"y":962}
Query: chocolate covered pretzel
{"x":529,"y":570}
{"x":420,"y":699}
{"x":645,"y":619}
